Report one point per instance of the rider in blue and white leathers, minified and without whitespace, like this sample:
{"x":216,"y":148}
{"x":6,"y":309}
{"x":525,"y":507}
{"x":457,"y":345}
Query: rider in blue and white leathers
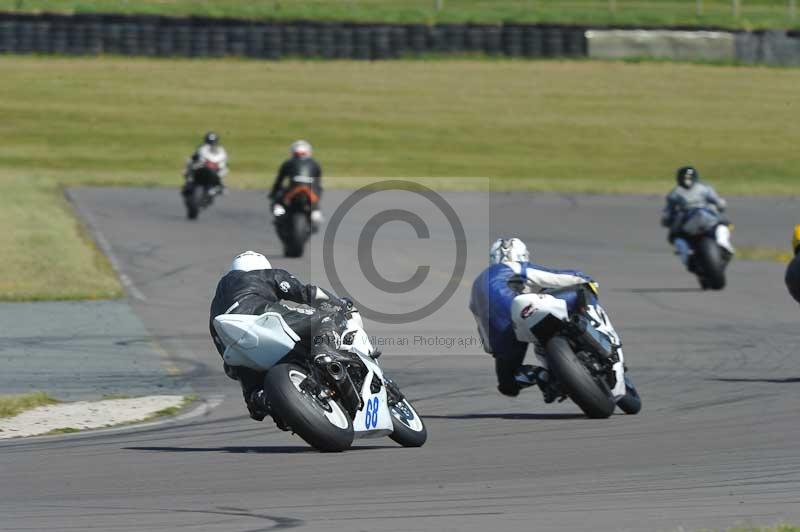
{"x":509,"y":275}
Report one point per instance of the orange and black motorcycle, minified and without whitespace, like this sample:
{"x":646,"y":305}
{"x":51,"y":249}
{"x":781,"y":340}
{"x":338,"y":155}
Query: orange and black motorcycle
{"x":293,"y":219}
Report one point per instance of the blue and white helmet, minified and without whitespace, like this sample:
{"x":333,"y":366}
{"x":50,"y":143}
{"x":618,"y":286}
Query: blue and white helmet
{"x":508,"y":250}
{"x":249,"y":261}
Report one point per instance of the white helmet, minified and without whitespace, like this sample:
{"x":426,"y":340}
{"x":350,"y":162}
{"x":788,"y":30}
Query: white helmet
{"x":508,"y":250}
{"x":249,"y":261}
{"x":300,"y":148}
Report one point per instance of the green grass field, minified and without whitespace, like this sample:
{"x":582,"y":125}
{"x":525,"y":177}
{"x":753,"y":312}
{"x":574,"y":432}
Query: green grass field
{"x":751,"y":13}
{"x":546,"y":125}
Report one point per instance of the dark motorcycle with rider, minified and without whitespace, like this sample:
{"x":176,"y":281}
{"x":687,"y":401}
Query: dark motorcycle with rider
{"x":295,"y":199}
{"x":699,"y":229}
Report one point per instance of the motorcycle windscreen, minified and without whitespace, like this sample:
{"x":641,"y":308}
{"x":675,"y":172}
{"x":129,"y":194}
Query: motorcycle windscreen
{"x":256,"y":342}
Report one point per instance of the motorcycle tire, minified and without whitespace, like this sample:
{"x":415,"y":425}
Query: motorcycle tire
{"x":193,"y":203}
{"x":409,"y":429}
{"x":589,"y":393}
{"x":298,"y":234}
{"x":631,"y":403}
{"x":324,"y":425}
{"x":712,"y":265}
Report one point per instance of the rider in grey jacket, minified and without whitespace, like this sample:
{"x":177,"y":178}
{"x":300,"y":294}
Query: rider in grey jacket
{"x":690,"y":193}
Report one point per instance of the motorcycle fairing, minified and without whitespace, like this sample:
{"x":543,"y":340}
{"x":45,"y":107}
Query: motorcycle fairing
{"x":256,"y":342}
{"x":359,"y":344}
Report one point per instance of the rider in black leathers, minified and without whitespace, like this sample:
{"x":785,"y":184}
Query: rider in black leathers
{"x":300,"y":169}
{"x":252,"y":286}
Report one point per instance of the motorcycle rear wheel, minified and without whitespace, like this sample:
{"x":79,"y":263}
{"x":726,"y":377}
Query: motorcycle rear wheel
{"x":586,"y":391}
{"x":323,"y":424}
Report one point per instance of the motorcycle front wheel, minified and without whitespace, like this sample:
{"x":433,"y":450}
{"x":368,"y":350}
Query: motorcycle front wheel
{"x":192,"y":199}
{"x":299,"y":230}
{"x":712,"y":265}
{"x":631,"y":402}
{"x":322,"y":423}
{"x":586,"y":391}
{"x":408,"y":428}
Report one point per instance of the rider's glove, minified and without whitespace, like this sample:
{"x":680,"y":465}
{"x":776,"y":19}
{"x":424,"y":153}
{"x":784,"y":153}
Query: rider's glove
{"x":278,"y":210}
{"x":329,"y":338}
{"x":348,"y":303}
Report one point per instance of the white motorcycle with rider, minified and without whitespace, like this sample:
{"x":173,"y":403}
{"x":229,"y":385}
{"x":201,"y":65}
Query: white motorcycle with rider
{"x":302,"y":357}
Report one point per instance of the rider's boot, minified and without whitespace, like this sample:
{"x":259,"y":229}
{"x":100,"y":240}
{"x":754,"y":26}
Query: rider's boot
{"x":525,"y":376}
{"x":257,"y":404}
{"x":534,"y":375}
{"x":723,"y":237}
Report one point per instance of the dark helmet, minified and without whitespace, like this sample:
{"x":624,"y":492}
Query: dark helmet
{"x":792,"y":278}
{"x":686,"y":176}
{"x":211,"y":138}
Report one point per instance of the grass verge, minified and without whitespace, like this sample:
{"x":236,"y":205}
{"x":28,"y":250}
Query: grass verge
{"x":750,"y":14}
{"x":576,"y":126}
{"x":11,"y":405}
{"x":763,"y":254}
{"x":172,"y":410}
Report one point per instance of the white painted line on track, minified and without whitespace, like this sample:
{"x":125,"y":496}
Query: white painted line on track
{"x":105,"y":247}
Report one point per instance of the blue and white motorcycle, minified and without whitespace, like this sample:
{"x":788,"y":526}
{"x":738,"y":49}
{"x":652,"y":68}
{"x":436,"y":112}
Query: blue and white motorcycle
{"x":330,"y":400}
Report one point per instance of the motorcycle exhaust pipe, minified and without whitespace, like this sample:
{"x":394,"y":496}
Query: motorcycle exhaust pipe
{"x":336,"y":370}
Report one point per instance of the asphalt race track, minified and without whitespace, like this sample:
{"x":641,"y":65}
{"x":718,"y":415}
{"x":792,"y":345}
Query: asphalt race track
{"x":715,"y":445}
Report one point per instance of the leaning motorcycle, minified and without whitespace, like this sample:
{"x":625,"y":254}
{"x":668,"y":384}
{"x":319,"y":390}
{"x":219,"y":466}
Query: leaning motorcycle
{"x":199,"y":192}
{"x":330,"y":400}
{"x":293,"y":219}
{"x":580,"y":351}
{"x":709,"y":240}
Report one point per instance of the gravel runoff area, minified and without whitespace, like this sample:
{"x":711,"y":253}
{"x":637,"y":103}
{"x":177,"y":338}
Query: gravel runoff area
{"x":82,"y":415}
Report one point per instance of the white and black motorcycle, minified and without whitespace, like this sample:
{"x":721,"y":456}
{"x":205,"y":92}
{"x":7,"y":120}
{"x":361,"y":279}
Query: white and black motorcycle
{"x":710,"y":241}
{"x":328,"y":401}
{"x":581,"y":351}
{"x":205,"y":182}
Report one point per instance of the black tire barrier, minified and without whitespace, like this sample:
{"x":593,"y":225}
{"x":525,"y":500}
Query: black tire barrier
{"x":553,"y":42}
{"x":381,"y":43}
{"x":205,"y":37}
{"x":345,"y":43}
{"x":418,"y":41}
{"x":533,"y":41}
{"x":512,"y":41}
{"x":291,"y":41}
{"x":147,"y":35}
{"x":272,"y":43}
{"x":327,"y":41}
{"x":309,"y":41}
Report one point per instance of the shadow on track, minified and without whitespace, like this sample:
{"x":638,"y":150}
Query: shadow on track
{"x":788,"y":380}
{"x":509,"y":416}
{"x":659,"y":290}
{"x":282,"y":449}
